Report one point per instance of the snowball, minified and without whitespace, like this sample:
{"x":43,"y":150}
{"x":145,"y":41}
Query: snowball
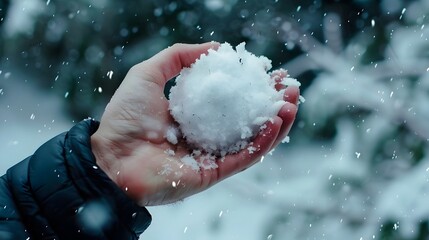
{"x":224,"y":98}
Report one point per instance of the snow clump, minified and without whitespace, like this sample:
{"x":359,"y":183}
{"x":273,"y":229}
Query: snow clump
{"x":224,"y":99}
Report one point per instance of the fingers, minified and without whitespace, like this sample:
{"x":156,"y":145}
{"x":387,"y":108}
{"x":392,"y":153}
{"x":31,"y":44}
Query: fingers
{"x":278,"y":76}
{"x":287,"y":113}
{"x":291,"y":94}
{"x":260,"y":146}
{"x":168,"y":63}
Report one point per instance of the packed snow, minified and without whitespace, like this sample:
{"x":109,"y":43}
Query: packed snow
{"x":224,"y":99}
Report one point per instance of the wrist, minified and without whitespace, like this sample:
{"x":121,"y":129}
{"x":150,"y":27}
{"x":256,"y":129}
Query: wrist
{"x":103,"y":156}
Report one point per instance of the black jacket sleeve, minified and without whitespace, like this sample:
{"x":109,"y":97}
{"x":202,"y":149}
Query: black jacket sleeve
{"x":60,"y":193}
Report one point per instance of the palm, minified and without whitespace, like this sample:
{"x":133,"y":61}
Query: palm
{"x":134,"y":127}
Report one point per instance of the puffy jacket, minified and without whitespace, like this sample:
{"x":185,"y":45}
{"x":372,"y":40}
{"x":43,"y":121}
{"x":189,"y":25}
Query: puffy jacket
{"x":60,"y":193}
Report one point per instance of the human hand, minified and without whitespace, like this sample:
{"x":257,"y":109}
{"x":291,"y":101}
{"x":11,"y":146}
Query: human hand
{"x":131,"y":147}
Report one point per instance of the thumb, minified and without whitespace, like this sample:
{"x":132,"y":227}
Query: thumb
{"x":168,"y":63}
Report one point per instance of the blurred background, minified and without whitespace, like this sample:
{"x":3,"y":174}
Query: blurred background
{"x":357,"y":165}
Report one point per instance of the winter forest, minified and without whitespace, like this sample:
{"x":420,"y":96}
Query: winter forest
{"x":357,"y":163}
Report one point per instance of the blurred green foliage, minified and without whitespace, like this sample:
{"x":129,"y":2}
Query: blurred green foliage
{"x":76,"y":43}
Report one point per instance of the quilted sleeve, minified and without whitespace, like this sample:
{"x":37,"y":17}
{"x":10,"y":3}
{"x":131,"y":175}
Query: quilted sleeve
{"x":61,"y":193}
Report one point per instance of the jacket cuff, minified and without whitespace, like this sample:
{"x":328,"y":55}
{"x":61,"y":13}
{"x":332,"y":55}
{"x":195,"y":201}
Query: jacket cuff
{"x":94,"y":184}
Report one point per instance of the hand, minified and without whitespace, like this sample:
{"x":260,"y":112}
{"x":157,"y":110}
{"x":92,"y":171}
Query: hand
{"x":130,"y":144}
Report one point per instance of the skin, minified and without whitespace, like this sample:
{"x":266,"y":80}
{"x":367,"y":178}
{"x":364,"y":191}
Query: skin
{"x":130,"y":144}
